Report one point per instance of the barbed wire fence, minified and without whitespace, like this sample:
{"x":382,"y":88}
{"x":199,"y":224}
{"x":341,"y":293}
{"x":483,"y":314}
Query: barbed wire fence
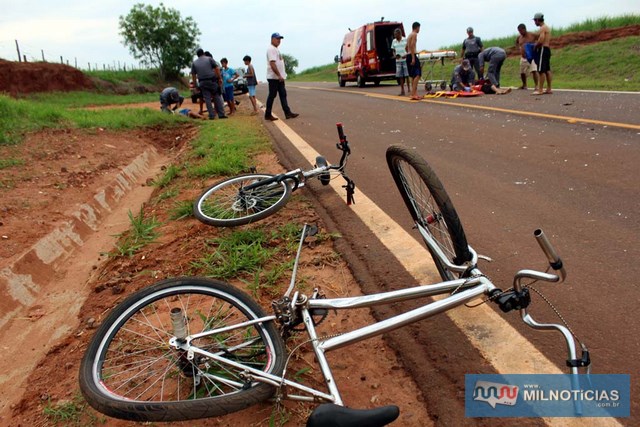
{"x":24,"y":52}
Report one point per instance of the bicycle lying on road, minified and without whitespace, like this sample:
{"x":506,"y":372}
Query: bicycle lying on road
{"x":248,"y":198}
{"x":191,"y":347}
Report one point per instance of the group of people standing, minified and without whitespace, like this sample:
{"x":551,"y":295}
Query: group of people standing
{"x":213,"y":84}
{"x":535,"y":59}
{"x":407,"y":61}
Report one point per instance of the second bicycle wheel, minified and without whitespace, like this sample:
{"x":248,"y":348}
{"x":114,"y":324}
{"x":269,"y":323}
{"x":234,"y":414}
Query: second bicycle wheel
{"x":429,"y":205}
{"x":132,"y":371}
{"x":228,"y":204}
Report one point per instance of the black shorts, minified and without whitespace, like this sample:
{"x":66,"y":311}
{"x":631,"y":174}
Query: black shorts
{"x":415,"y":69}
{"x":543,"y":59}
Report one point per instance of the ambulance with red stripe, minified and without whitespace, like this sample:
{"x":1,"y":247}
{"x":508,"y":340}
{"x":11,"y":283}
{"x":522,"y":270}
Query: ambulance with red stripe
{"x":365,"y":55}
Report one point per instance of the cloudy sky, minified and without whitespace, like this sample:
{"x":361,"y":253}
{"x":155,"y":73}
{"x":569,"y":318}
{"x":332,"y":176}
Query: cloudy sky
{"x":87,"y":31}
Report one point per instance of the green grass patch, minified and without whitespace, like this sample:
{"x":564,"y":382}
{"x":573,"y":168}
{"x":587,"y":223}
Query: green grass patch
{"x":73,"y":412}
{"x":87,"y":99}
{"x":141,"y":76}
{"x":227,"y":147}
{"x":58,"y":111}
{"x":171,"y":173}
{"x":181,"y":210}
{"x":7,"y":163}
{"x":141,"y":233}
{"x":260,"y":257}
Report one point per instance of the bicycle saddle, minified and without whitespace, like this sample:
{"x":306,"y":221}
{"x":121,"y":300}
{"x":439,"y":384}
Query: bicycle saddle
{"x":331,"y":415}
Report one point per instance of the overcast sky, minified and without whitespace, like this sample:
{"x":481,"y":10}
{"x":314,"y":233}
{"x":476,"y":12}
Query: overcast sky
{"x":87,"y":31}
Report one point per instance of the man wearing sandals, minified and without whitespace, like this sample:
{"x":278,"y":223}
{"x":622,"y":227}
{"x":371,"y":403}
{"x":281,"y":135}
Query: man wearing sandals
{"x":543,"y":55}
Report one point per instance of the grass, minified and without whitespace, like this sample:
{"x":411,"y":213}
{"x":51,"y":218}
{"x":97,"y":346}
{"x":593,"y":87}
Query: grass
{"x":171,"y":173}
{"x":7,"y":163}
{"x":142,"y":76}
{"x":71,"y":413}
{"x":227,"y":148}
{"x":142,"y":232}
{"x":58,"y":111}
{"x":258,"y":256}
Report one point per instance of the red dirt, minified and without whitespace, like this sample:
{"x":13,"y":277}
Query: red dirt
{"x":18,"y":78}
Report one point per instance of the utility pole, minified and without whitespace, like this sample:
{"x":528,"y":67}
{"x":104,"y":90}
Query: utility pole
{"x":18,"y":49}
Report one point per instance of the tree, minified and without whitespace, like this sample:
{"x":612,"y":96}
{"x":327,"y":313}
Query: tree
{"x":159,"y":37}
{"x":290,"y":63}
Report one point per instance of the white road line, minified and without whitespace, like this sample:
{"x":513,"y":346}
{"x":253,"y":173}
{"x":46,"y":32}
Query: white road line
{"x":499,"y":343}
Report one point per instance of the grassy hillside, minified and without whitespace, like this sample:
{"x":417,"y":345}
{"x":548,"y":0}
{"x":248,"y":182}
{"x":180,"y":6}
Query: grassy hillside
{"x":611,"y":65}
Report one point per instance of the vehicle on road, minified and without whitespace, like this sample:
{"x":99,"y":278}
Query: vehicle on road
{"x":365,"y":54}
{"x":240,"y":84}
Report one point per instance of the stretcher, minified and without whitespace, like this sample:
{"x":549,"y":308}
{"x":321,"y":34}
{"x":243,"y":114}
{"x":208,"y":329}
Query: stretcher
{"x":430,"y":59}
{"x":452,"y":94}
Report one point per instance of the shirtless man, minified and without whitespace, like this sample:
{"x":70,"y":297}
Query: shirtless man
{"x":543,"y":55}
{"x":527,"y":63}
{"x":413,"y":63}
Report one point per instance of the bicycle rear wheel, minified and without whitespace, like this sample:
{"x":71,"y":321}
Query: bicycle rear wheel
{"x":225,"y":204}
{"x":429,"y":205}
{"x":130,"y":371}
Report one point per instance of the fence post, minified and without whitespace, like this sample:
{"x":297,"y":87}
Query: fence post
{"x":18,"y":49}
{"x":42,"y":52}
{"x":61,"y":60}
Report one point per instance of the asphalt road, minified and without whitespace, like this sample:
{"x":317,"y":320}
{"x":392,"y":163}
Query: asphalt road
{"x":566,"y":163}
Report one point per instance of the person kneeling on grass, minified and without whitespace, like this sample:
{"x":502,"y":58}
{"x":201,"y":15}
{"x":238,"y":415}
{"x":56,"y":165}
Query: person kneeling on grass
{"x":168,"y":97}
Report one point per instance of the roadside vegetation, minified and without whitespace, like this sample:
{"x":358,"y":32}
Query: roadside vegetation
{"x":574,"y":67}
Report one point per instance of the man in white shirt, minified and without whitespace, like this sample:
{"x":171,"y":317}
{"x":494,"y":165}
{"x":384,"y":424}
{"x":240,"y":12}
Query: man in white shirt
{"x":399,"y":49}
{"x":275,"y":77}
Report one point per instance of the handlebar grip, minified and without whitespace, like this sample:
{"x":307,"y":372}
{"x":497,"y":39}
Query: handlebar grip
{"x":554,"y":260}
{"x":341,"y":132}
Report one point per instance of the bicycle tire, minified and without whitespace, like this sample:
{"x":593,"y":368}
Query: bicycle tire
{"x":429,"y":205}
{"x":222,"y":205}
{"x":131,"y":372}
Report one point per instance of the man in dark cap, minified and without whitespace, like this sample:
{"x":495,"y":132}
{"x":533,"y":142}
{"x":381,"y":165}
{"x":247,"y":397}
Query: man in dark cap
{"x":463,"y":77}
{"x":168,"y":97}
{"x":471,"y":48}
{"x":275,"y":77}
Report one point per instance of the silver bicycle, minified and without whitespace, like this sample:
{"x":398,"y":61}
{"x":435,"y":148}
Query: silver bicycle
{"x":251,"y":197}
{"x":193,"y":347}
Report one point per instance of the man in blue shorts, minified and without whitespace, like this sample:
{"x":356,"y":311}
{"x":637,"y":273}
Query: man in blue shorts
{"x":413,"y":62}
{"x":228,"y":76}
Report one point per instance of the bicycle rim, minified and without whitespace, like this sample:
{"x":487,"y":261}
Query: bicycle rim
{"x":429,"y":205}
{"x":227,"y":204}
{"x":132,"y":372}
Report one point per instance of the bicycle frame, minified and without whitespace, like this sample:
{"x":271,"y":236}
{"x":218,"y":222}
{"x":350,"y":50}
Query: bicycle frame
{"x":461,"y":291}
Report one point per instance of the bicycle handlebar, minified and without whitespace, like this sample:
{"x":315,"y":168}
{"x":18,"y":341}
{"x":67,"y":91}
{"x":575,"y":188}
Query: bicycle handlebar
{"x":554,"y":260}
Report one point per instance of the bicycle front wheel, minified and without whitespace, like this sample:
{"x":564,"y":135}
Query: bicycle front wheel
{"x":429,"y":205}
{"x":227,"y":204}
{"x":130,"y":370}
